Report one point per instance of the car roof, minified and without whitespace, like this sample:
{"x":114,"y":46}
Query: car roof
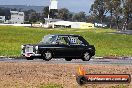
{"x":66,"y":35}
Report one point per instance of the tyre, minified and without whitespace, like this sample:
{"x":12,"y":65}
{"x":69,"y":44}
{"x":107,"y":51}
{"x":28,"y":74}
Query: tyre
{"x":86,"y":56}
{"x":29,"y":58}
{"x":68,"y":59}
{"x":81,"y":80}
{"x":47,"y":56}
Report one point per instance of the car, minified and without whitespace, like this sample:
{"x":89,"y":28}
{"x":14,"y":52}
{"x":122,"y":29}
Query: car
{"x":68,"y":46}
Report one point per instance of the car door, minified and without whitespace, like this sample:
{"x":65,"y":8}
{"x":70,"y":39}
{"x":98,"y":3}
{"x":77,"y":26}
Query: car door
{"x":76,"y":50}
{"x":76,"y":47}
{"x":62,"y":47}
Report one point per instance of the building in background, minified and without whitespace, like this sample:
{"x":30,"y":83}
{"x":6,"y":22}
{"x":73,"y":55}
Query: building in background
{"x":69,"y":24}
{"x":2,"y":19}
{"x":82,"y":25}
{"x":17,"y":17}
{"x":49,"y":22}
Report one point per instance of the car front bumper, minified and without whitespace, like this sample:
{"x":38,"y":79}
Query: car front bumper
{"x":31,"y":55}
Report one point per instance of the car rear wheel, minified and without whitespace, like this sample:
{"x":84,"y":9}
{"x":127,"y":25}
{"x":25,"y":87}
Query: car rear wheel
{"x":86,"y":56}
{"x":68,"y":59}
{"x":47,"y":56}
{"x":29,"y":58}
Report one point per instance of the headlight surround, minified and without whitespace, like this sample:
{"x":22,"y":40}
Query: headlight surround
{"x":36,"y":47}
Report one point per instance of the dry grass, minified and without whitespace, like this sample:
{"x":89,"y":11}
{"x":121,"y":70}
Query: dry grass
{"x":42,"y":75}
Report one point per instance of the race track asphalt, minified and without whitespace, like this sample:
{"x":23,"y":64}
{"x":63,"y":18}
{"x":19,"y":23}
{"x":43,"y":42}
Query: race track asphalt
{"x":126,"y":61}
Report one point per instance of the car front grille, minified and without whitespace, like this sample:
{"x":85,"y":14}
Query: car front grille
{"x":29,"y":49}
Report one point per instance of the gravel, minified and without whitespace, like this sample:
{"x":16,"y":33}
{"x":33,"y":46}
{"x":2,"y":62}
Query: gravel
{"x":35,"y":74}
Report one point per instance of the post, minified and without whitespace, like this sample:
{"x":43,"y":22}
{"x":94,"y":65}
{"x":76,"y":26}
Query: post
{"x":49,"y":13}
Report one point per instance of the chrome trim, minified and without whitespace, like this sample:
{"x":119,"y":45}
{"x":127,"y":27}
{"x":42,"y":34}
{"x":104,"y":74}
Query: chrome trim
{"x":36,"y":47}
{"x":29,"y":49}
{"x":33,"y":54}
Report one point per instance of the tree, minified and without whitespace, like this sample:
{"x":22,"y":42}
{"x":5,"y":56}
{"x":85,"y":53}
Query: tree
{"x":99,"y":9}
{"x":81,"y":17}
{"x":91,"y":19}
{"x":127,"y":12}
{"x":52,"y":12}
{"x":13,"y":9}
{"x":114,"y":8}
{"x":5,"y":12}
{"x":117,"y":15}
{"x":64,"y":14}
{"x":2,"y":12}
{"x":31,"y":16}
{"x":46,"y":12}
{"x":70,"y":17}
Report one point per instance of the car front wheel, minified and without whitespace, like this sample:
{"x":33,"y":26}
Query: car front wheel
{"x":86,"y":56}
{"x":47,"y":56}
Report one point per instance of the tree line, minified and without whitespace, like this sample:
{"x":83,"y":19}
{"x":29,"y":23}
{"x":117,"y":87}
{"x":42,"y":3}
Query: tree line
{"x":62,"y":13}
{"x":119,"y":12}
{"x":115,"y":13}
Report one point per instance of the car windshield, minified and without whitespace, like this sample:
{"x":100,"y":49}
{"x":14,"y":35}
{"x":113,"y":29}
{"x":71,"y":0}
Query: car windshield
{"x":49,"y":39}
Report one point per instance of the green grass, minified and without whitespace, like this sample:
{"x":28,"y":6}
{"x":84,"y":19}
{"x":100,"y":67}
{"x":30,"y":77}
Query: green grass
{"x":11,"y":38}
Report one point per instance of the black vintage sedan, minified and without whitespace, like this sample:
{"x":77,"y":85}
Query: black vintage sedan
{"x":67,"y":46}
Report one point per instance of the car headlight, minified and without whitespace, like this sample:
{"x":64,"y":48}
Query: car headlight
{"x":36,"y":47}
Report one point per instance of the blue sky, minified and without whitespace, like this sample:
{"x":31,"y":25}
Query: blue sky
{"x":72,"y":5}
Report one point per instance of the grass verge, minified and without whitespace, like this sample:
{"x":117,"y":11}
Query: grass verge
{"x":107,"y":44}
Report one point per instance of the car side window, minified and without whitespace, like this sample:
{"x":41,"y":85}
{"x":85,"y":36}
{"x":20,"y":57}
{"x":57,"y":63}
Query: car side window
{"x":75,"y":41}
{"x":62,"y":40}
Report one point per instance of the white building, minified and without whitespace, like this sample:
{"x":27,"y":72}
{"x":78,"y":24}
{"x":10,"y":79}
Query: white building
{"x":82,"y":25}
{"x":63,"y":24}
{"x":17,"y":17}
{"x":69,"y":24}
{"x":2,"y":19}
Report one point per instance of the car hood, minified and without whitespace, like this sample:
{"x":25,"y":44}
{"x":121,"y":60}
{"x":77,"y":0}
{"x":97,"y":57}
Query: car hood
{"x":35,"y":44}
